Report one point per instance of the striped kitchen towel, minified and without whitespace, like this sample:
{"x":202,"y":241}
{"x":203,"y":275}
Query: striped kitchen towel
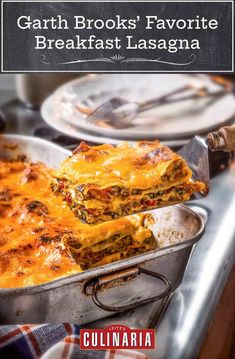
{"x":52,"y":341}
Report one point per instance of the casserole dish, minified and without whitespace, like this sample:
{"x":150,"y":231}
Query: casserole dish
{"x":115,"y":287}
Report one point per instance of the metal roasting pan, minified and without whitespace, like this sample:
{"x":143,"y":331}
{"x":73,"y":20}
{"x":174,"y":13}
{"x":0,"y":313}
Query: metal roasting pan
{"x":102,"y":291}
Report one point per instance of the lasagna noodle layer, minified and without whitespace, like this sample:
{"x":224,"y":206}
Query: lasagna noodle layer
{"x":143,"y":165}
{"x":36,"y":228}
{"x":104,"y":182}
{"x":119,"y":246}
{"x":94,"y":211}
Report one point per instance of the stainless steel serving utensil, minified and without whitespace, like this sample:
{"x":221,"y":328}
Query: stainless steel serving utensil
{"x":119,"y":113}
{"x":196,"y":153}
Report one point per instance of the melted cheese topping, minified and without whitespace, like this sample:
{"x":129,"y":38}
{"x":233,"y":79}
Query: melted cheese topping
{"x":142,"y":165}
{"x":34,"y":224}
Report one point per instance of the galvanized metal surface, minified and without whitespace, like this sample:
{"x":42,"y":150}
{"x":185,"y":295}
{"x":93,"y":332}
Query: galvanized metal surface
{"x":65,"y":299}
{"x":183,"y":325}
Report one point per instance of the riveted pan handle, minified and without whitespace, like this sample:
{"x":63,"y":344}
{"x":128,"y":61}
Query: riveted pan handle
{"x":111,"y":308}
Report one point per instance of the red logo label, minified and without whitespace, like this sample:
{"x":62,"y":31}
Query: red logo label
{"x":117,"y":337}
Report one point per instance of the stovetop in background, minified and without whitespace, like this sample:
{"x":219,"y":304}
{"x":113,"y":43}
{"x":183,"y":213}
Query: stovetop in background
{"x":15,"y":117}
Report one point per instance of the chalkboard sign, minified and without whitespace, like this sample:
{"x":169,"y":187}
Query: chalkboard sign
{"x":117,"y":36}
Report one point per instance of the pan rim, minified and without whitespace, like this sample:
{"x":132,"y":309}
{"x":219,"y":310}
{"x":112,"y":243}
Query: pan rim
{"x":111,"y":267}
{"x":107,"y":268}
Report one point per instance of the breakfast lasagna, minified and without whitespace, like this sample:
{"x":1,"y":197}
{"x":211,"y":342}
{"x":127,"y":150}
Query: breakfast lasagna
{"x":104,"y":182}
{"x":40,"y":238}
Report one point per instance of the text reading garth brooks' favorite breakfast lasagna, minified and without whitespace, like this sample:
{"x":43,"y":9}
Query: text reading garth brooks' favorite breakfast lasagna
{"x":105,"y":182}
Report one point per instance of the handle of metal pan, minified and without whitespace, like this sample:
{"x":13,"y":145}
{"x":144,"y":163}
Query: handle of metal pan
{"x":111,"y":308}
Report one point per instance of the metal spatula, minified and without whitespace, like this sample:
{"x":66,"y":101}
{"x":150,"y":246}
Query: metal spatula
{"x":196,"y":153}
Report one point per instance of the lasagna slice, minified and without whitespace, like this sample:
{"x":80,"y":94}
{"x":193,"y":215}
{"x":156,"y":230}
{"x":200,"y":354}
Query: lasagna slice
{"x":110,"y":241}
{"x":104,"y":182}
{"x":40,"y":238}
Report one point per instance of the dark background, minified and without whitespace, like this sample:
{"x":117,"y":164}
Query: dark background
{"x":215,"y":54}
